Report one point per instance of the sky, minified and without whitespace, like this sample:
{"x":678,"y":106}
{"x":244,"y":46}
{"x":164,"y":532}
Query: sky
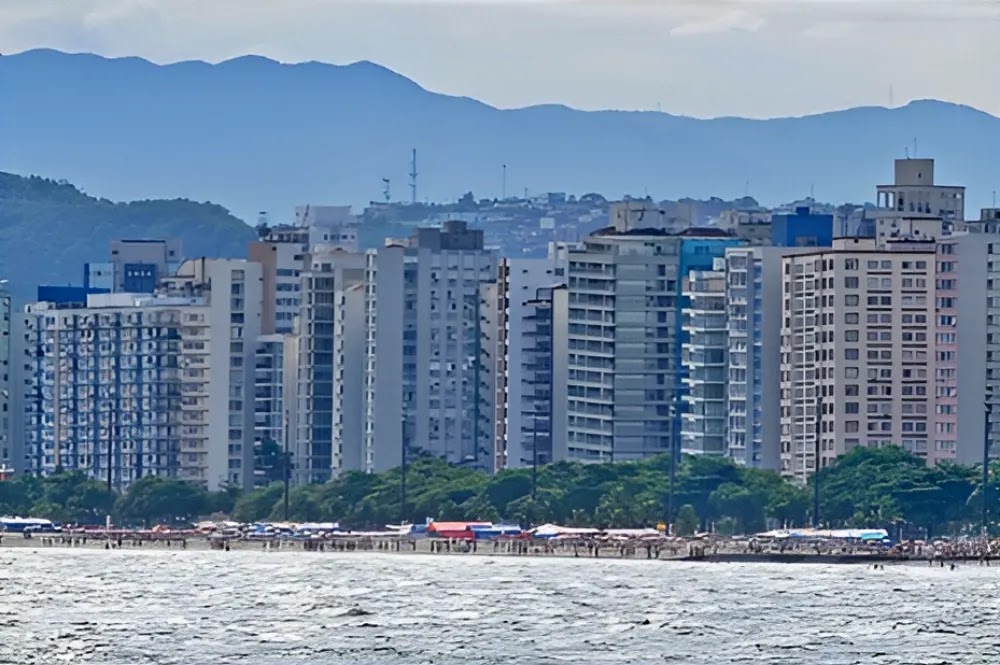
{"x":706,"y":58}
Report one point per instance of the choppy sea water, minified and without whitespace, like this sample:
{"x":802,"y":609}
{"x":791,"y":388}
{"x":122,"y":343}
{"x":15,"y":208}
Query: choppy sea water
{"x":159,"y":607}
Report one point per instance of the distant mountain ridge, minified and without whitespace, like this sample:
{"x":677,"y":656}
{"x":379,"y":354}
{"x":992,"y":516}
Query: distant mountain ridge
{"x":255,"y":134}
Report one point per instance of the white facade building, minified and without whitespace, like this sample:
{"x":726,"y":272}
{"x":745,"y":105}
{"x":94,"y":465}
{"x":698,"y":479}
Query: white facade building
{"x":154,"y":384}
{"x":754,"y":277}
{"x":517,"y":358}
{"x":423,"y":355}
{"x":857,"y":351}
{"x":9,"y":449}
{"x":622,"y":295}
{"x":705,"y":352}
{"x":269,"y":407}
{"x":329,"y":347}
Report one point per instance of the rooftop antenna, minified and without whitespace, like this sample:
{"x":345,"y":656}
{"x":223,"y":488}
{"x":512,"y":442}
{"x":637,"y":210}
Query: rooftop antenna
{"x":413,"y":177}
{"x":914,"y":146}
{"x":746,"y":189}
{"x":385,"y":190}
{"x":503,"y":184}
{"x":907,"y":151}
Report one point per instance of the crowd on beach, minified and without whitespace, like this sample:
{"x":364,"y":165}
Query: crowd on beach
{"x":576,"y":543}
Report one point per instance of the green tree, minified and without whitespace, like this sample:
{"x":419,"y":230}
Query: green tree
{"x":687,"y":521}
{"x":153,"y":498}
{"x":257,"y":505}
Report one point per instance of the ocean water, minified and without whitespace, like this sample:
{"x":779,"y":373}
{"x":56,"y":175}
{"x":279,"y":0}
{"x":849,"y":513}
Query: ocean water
{"x":192,"y":607}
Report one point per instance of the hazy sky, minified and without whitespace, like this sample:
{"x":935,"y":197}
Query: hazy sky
{"x":698,"y":57}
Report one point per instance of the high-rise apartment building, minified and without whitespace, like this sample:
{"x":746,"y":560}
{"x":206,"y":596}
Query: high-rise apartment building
{"x":967,"y":346}
{"x":625,"y":372}
{"x":281,"y":254}
{"x":705,"y":354}
{"x":327,"y":384}
{"x":268,"y":391}
{"x":423,"y":347}
{"x":754,"y":277}
{"x":857,"y":351}
{"x":156,"y":384}
{"x":515,"y":390}
{"x":103,"y":389}
{"x":217,"y":382}
{"x":9,"y":450}
{"x":914,"y":194}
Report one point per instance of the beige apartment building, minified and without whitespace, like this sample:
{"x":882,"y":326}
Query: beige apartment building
{"x":857,"y":350}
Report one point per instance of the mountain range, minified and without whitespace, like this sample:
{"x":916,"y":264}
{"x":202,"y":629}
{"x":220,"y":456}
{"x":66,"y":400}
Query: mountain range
{"x":255,"y":135}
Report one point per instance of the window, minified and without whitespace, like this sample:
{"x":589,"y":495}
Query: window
{"x":850,"y":282}
{"x":850,"y":372}
{"x":851,"y":318}
{"x":851,"y":336}
{"x":852,"y":407}
{"x":850,"y":354}
{"x":851,"y":390}
{"x":851,"y":301}
{"x":851,"y":426}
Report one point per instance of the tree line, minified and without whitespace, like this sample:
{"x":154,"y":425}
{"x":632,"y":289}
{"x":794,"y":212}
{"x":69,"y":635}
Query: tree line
{"x":884,"y":487}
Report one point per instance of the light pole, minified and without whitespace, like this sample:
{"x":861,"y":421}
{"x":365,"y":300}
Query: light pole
{"x":673,"y":470}
{"x":986,"y":468}
{"x":816,"y":464}
{"x":286,"y":471}
{"x":402,"y":471}
{"x":534,"y":454}
{"x":110,"y":446}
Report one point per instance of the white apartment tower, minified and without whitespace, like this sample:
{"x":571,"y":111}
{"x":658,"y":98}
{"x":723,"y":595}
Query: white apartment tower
{"x":754,"y":277}
{"x":517,"y":359}
{"x":327,"y":384}
{"x":281,"y":254}
{"x":217,"y":387}
{"x":622,"y":325}
{"x":914,"y":194}
{"x":705,"y":352}
{"x":157,"y":384}
{"x":9,"y":451}
{"x":857,"y":351}
{"x":423,"y":347}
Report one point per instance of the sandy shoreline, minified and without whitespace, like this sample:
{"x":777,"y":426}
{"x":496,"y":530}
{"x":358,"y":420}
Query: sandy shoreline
{"x":434,"y":547}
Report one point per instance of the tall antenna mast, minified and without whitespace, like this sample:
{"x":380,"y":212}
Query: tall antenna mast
{"x":413,"y":177}
{"x":503,"y":184}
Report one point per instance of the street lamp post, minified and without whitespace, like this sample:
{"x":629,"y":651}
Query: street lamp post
{"x":986,"y":469}
{"x":402,"y":471}
{"x":286,"y":471}
{"x":673,"y":469}
{"x":110,"y":446}
{"x":816,"y":464}
{"x":534,"y":454}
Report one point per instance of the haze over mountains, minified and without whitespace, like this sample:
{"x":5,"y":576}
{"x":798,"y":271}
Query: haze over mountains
{"x":252,"y":134}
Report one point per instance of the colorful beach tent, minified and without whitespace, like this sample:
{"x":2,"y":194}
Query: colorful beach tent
{"x":555,"y":531}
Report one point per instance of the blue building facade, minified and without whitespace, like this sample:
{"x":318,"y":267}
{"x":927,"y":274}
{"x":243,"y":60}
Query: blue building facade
{"x":698,"y":250}
{"x":803,"y":228}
